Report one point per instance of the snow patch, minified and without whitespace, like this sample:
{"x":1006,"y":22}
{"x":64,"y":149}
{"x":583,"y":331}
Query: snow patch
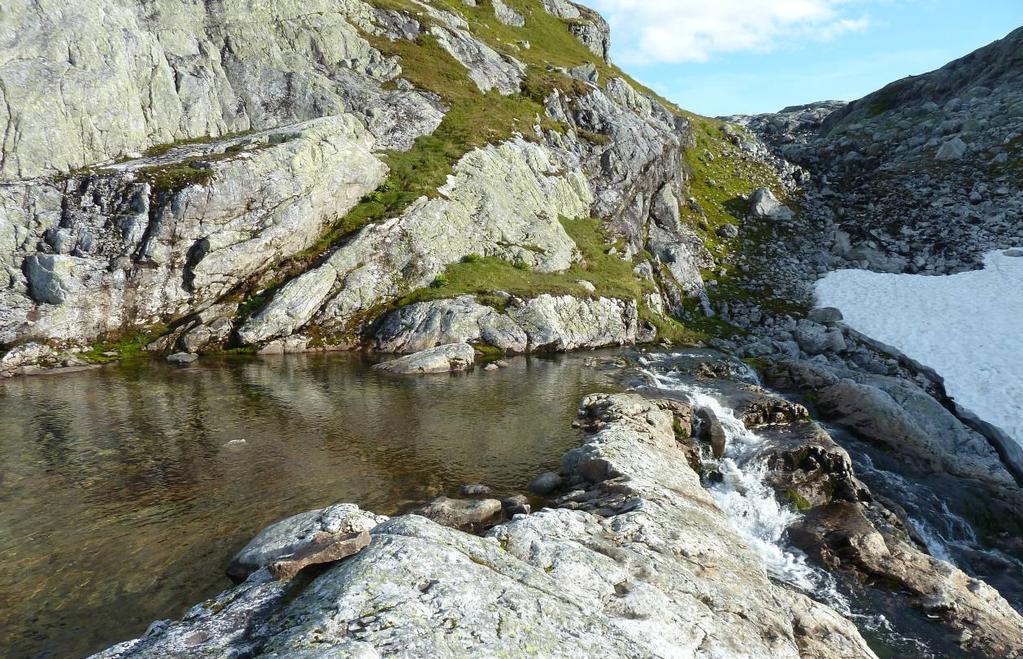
{"x":968,"y":327}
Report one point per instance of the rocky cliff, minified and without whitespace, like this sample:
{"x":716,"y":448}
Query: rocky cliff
{"x":212,"y":176}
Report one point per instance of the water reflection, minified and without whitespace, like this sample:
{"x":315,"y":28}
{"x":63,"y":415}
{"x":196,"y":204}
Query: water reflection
{"x":124,"y":491}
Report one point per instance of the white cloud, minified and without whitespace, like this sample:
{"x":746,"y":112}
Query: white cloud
{"x":652,"y":31}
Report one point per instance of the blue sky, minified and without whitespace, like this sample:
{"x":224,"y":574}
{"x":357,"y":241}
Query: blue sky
{"x":744,"y":56}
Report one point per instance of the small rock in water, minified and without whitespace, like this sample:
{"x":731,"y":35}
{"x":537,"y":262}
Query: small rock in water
{"x":182,"y":358}
{"x":545,"y":483}
{"x":236,"y":443}
{"x":516,"y":505}
{"x":474,"y":490}
{"x":711,"y":431}
{"x":442,"y":359}
{"x":502,"y":363}
{"x":491,"y":367}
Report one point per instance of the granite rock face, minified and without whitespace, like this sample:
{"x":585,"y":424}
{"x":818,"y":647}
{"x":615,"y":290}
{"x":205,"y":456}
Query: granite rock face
{"x":501,"y":201}
{"x":105,"y":80}
{"x":543,"y":324}
{"x":97,"y":253}
{"x":267,"y":129}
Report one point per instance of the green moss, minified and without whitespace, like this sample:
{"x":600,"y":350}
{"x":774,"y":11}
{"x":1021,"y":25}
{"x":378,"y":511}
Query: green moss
{"x":161,"y":149}
{"x":177,"y":176}
{"x":117,"y":346}
{"x":610,"y":275}
{"x":798,"y":500}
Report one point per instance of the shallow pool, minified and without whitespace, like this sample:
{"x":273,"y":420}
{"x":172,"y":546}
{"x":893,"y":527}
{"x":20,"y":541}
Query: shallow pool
{"x":124,"y":491}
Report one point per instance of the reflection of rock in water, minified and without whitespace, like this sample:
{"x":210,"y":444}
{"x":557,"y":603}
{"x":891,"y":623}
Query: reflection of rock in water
{"x":144,"y":469}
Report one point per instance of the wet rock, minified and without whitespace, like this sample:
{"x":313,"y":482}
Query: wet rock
{"x":981,"y":621}
{"x":806,"y":466}
{"x":182,"y":358}
{"x":300,"y":535}
{"x":757,"y":411}
{"x":474,"y":490}
{"x":545,"y":483}
{"x":516,"y":505}
{"x":442,"y":359}
{"x":461,"y":513}
{"x":558,"y":582}
{"x":900,"y":415}
{"x":711,"y":431}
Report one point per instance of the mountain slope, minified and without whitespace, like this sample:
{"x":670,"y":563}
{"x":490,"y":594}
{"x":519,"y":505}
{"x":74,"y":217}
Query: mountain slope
{"x":465,"y":143}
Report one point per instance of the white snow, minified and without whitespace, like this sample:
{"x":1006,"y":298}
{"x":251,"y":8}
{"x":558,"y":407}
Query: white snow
{"x":967,"y":327}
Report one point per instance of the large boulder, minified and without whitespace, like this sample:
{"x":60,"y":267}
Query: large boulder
{"x":897,"y":413}
{"x":442,"y":359}
{"x":544,"y":323}
{"x":764,"y":205}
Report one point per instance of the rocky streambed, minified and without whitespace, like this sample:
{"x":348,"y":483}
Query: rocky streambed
{"x":701,"y":515}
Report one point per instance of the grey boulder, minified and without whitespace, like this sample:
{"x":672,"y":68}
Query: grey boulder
{"x":442,"y":359}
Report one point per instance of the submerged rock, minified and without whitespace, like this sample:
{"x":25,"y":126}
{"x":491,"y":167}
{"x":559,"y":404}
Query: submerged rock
{"x":545,"y":483}
{"x":711,"y":431}
{"x":182,"y":358}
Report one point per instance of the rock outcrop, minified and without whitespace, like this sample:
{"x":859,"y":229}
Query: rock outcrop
{"x":162,"y":237}
{"x":501,"y":201}
{"x":542,"y":324}
{"x":659,"y":572}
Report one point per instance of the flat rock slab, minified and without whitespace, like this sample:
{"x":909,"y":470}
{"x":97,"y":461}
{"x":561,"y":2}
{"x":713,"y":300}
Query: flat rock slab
{"x":326,"y":548}
{"x":442,"y":359}
{"x":300,"y":535}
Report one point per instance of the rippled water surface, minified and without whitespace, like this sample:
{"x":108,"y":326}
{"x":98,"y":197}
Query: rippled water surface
{"x":124,"y":491}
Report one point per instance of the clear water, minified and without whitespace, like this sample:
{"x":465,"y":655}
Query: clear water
{"x":125,"y":491}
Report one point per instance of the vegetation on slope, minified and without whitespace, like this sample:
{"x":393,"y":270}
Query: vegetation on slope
{"x":474,"y":119}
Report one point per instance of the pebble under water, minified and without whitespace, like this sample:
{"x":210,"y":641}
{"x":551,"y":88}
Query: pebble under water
{"x":124,"y":491}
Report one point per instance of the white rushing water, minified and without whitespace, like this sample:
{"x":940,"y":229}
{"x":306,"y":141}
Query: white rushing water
{"x":750,"y":503}
{"x":754,"y":510}
{"x":967,"y":327}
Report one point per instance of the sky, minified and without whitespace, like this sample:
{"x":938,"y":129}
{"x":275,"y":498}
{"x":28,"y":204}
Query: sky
{"x":720,"y":57}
